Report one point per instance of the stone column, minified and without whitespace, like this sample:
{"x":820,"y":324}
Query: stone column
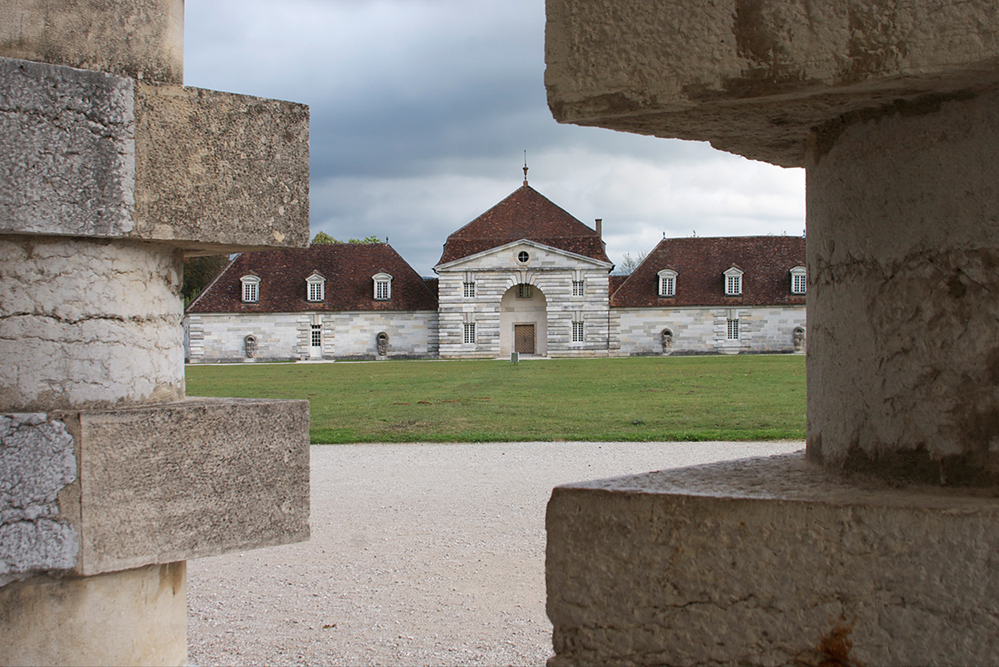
{"x":877,"y":549}
{"x":903,"y":222}
{"x":110,"y":479}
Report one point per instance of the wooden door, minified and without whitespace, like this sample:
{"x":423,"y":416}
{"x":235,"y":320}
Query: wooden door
{"x":523,"y":338}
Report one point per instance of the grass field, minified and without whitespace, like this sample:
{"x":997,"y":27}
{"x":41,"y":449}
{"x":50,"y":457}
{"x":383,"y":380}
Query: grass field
{"x":750,"y":397}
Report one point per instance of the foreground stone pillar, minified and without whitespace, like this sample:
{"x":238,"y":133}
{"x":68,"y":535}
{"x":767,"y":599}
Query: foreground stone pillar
{"x":877,"y":551}
{"x":903,"y":218}
{"x":110,"y":479}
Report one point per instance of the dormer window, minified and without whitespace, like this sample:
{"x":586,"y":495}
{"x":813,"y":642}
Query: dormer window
{"x":667,"y":282}
{"x":251,"y":288}
{"x":733,"y":282}
{"x":315,"y":287}
{"x":798,"y":282}
{"x":383,"y":286}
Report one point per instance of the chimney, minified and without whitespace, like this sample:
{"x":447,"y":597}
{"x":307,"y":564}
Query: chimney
{"x":599,"y":227}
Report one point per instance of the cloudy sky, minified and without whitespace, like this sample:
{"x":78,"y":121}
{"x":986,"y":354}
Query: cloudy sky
{"x":422,"y":110}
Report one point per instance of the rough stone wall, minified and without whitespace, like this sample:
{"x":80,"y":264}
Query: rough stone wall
{"x":904,"y":271}
{"x":105,"y":330}
{"x":37,"y":463}
{"x":68,"y":144}
{"x":219,"y":337}
{"x":704,"y":330}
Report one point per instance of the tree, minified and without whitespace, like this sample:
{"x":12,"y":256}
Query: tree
{"x":629,"y":264}
{"x":367,"y":239}
{"x":323,"y":237}
{"x":198,"y":272}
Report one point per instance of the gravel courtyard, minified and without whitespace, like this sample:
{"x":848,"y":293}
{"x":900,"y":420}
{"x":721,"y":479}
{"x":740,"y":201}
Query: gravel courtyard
{"x":420,"y":555}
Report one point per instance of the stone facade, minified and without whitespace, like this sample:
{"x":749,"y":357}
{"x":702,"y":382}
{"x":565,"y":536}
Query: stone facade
{"x":496,"y":307}
{"x":344,"y":335}
{"x":523,"y":277}
{"x":693,"y":330}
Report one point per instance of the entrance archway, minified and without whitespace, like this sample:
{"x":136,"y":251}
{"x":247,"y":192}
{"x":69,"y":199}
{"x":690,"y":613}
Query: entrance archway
{"x":524,"y":321}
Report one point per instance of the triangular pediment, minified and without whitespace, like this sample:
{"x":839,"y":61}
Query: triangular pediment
{"x":508,"y":257}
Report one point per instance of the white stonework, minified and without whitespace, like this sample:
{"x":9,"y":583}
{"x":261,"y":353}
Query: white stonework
{"x":705,"y":330}
{"x":345,"y":335}
{"x":496,"y":308}
{"x":105,"y":330}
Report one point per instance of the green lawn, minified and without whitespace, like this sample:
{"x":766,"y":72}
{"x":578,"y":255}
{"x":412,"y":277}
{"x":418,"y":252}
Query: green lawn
{"x":751,"y":397}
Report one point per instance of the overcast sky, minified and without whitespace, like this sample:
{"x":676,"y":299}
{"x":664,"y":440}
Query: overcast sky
{"x":421,"y":113}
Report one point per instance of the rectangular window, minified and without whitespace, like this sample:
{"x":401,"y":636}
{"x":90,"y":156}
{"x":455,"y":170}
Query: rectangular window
{"x":666,"y":286}
{"x":470,"y":333}
{"x":249,"y":292}
{"x":578,"y":289}
{"x":317,"y":335}
{"x":523,"y":291}
{"x":577,"y":332}
{"x":733,"y":329}
{"x":733,"y":285}
{"x":382,"y":289}
{"x":798,"y":286}
{"x":315,"y":291}
{"x":469,"y":290}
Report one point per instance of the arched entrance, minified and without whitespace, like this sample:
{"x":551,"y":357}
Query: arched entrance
{"x":524,"y":321}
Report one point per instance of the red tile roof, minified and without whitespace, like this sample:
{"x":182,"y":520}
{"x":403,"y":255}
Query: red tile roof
{"x":700,"y":264}
{"x":525,"y":214}
{"x":347,"y":267}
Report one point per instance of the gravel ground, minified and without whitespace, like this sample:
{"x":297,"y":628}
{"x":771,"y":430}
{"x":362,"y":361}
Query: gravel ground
{"x":420,"y":555}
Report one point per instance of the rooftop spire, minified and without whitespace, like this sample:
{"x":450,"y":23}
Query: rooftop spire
{"x":525,"y":167}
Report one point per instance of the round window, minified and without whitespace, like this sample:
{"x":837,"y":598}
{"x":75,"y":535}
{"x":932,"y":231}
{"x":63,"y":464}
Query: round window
{"x":523,"y":256}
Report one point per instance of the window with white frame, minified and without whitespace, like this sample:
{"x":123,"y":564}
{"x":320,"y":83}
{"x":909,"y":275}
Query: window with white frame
{"x":667,"y":282}
{"x":578,"y":288}
{"x":469,"y":290}
{"x":317,"y":335}
{"x":577,"y":332}
{"x":733,"y":329}
{"x":383,"y":286}
{"x":733,"y":282}
{"x":798,"y":282}
{"x":469,"y":332}
{"x":523,"y":291}
{"x":316,"y":287}
{"x":251,"y":288}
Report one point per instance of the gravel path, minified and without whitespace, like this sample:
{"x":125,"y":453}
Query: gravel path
{"x":420,"y":555}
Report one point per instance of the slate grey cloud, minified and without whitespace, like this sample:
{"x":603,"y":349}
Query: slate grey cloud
{"x":421,"y":111}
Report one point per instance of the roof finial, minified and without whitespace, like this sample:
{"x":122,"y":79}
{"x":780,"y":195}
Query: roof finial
{"x":525,"y":167}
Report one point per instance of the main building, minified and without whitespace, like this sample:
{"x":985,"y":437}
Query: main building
{"x":525,"y":277}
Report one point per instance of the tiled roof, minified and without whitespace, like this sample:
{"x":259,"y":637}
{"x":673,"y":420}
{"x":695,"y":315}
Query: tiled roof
{"x":347,"y":267}
{"x":700,"y":264}
{"x":525,"y":214}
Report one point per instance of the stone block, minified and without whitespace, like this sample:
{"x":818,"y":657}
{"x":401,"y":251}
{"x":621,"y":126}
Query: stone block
{"x":771,"y":562}
{"x":89,"y":154}
{"x":100,"y":331}
{"x":754,"y":76}
{"x":154,"y":484}
{"x":136,"y":617}
{"x":218,"y":169}
{"x":37,"y":461}
{"x":139,"y":39}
